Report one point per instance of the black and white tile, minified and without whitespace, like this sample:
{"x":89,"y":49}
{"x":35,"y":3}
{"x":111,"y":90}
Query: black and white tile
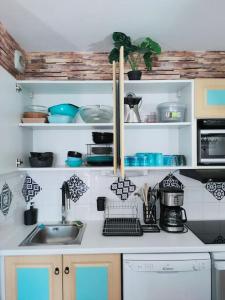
{"x":171,"y":181}
{"x":77,"y":187}
{"x":5,"y":199}
{"x":30,"y":188}
{"x":217,"y":189}
{"x":123,"y":188}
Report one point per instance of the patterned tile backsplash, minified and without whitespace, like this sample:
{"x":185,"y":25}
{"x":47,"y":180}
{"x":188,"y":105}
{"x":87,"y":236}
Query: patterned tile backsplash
{"x":30,"y":188}
{"x":217,"y":189}
{"x":123,"y":188}
{"x":77,"y":187}
{"x":171,"y":181}
{"x":11,"y":199}
{"x":5,"y":199}
{"x":198,"y":201}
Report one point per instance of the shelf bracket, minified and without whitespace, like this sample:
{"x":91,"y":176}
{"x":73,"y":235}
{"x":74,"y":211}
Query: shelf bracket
{"x":18,"y":88}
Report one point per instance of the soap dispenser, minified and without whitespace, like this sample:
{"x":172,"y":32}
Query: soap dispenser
{"x":30,"y":215}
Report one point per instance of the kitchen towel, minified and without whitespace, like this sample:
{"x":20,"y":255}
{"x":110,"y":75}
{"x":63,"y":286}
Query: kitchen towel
{"x":171,"y":181}
{"x":123,"y":188}
{"x":217,"y":189}
{"x":77,"y":187}
{"x":5,"y":199}
{"x":30,"y":189}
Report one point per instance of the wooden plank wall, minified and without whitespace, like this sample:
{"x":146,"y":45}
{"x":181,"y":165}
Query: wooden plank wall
{"x":7,"y":47}
{"x":95,"y":66}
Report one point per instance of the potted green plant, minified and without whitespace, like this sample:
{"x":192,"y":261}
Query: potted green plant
{"x":134,"y":53}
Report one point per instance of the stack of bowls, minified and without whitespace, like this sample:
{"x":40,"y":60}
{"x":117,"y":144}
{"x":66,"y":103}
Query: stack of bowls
{"x":74,"y":159}
{"x":35,"y":114}
{"x":62,"y":113}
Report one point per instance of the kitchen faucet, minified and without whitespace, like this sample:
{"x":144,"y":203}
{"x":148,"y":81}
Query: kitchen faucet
{"x":65,"y":201}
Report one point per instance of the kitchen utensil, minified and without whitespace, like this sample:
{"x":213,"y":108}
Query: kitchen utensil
{"x":36,"y":108}
{"x":71,"y":159}
{"x":43,"y":155}
{"x":121,"y":220}
{"x":66,"y":109}
{"x":41,"y":162}
{"x":102,"y":137}
{"x":172,"y":215}
{"x":171,"y":112}
{"x":101,"y":203}
{"x":101,"y":160}
{"x":74,"y":163}
{"x":101,"y":150}
{"x":96,"y":113}
{"x":60,"y":119}
{"x":74,"y":154}
{"x":34,"y":120}
{"x":150,"y":118}
{"x":150,"y":228}
{"x":158,"y":159}
{"x":131,"y":108}
{"x":34,"y":115}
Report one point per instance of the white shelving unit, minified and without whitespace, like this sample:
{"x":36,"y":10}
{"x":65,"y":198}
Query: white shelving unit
{"x":168,"y":138}
{"x":72,"y":126}
{"x":61,"y":138}
{"x":65,"y":168}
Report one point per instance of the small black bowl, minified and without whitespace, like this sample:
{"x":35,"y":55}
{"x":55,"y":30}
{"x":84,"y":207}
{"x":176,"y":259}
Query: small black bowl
{"x":41,"y":154}
{"x":74,"y":154}
{"x":102,"y":137}
{"x":37,"y":162}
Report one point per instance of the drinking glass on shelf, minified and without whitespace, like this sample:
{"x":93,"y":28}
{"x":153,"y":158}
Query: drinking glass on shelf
{"x":158,"y":159}
{"x":150,"y":118}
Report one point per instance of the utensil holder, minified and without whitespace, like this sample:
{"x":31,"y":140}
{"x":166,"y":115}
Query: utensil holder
{"x":149,"y":214}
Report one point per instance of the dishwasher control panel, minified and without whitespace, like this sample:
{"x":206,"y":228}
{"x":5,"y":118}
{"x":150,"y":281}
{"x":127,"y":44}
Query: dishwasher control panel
{"x":166,"y":266}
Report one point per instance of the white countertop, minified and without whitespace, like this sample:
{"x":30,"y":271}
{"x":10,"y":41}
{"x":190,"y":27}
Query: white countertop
{"x":94,"y":242}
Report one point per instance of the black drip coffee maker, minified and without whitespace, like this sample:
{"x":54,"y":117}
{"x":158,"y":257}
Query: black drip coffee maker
{"x":172,"y":215}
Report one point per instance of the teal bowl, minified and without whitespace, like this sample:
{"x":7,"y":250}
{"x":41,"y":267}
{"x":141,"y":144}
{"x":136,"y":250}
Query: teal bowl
{"x":72,"y":159}
{"x":60,"y":119}
{"x":64,"y":109}
{"x":74,"y":163}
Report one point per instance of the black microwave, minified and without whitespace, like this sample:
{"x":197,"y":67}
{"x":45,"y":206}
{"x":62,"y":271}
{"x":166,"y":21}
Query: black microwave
{"x":211,"y":142}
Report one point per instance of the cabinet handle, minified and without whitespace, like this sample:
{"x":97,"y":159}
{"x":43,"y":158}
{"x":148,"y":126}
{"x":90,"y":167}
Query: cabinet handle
{"x":56,"y":271}
{"x":67,"y":270}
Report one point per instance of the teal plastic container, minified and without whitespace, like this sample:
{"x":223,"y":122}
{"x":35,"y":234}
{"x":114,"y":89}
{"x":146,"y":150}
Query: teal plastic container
{"x":66,"y":109}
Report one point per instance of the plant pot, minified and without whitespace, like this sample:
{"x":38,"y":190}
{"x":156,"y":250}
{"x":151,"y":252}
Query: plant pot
{"x":134,"y":75}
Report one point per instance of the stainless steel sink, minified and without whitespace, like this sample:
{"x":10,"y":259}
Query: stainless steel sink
{"x":68,"y":234}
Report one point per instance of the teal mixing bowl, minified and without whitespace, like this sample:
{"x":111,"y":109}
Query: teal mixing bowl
{"x":74,"y":163}
{"x":64,"y":109}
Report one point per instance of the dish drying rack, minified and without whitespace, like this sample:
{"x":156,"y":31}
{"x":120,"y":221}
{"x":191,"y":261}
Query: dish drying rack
{"x":122,"y":220}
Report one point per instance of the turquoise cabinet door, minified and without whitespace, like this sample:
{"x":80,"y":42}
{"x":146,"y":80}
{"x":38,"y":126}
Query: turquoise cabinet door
{"x":32,"y":283}
{"x":33,"y":277}
{"x":215,"y":97}
{"x":91,"y":283}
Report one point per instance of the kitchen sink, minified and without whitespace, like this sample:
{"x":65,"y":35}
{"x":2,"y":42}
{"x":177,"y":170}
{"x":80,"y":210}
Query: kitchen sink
{"x":63,"y":234}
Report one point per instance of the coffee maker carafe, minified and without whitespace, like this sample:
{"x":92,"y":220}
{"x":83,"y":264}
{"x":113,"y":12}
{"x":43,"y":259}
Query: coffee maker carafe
{"x":172,"y":215}
{"x":131,"y":108}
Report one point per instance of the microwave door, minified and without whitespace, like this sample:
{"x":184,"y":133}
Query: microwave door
{"x":212,"y":146}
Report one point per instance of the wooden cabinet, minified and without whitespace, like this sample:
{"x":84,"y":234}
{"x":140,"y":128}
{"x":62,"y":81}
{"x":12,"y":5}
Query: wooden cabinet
{"x":92,"y":277}
{"x":210,"y":98}
{"x":67,"y":277}
{"x":33,"y":277}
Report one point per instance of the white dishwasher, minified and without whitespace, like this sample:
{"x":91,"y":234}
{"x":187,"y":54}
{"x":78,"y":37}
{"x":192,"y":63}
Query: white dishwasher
{"x":182,"y":276}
